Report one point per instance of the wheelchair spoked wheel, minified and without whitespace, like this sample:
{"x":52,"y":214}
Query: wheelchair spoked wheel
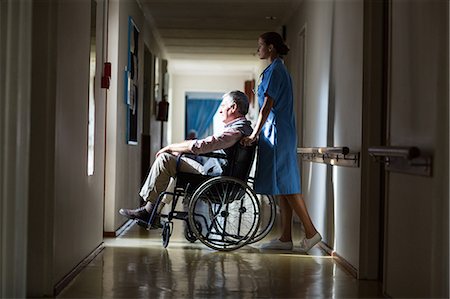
{"x":224,"y":213}
{"x":268,"y":208}
{"x":166,"y":233}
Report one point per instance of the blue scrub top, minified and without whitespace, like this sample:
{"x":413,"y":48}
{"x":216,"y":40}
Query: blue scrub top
{"x":277,"y":168}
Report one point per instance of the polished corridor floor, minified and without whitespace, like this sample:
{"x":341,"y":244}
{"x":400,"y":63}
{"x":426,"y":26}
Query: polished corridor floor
{"x":135,"y":265}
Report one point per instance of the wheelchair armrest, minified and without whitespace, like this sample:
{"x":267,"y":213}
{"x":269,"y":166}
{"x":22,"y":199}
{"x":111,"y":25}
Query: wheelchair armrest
{"x":209,"y":155}
{"x":214,"y":155}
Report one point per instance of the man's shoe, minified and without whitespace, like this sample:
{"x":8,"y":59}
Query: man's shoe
{"x":307,"y":244}
{"x":277,"y":245}
{"x":142,"y":217}
{"x":138,"y":214}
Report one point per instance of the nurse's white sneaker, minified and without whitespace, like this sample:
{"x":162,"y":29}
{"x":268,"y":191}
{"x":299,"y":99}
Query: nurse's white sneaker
{"x":277,"y":245}
{"x":307,"y":244}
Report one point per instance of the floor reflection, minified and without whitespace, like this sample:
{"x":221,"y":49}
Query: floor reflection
{"x":136,"y":265}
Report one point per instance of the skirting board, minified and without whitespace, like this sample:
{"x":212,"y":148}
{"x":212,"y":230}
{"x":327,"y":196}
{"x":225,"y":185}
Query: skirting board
{"x":119,"y":231}
{"x":69,"y":277}
{"x":340,"y":260}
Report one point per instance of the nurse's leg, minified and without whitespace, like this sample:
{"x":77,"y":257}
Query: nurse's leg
{"x":298,"y":205}
{"x":286,"y":219}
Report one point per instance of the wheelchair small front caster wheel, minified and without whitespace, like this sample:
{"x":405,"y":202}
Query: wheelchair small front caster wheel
{"x":166,"y":233}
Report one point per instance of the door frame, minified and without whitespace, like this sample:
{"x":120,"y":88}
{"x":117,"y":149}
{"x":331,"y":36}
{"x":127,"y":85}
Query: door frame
{"x":375,"y":88}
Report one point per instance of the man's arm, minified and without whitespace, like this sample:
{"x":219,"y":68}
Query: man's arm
{"x":209,"y":144}
{"x":227,"y":139}
{"x":182,"y":147}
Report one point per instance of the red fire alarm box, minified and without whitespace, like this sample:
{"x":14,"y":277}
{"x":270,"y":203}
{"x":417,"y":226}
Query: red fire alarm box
{"x":106,"y":75}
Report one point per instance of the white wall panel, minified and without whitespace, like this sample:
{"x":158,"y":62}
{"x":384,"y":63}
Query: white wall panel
{"x":332,"y":114}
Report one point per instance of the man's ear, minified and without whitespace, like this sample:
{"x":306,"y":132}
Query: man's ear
{"x":234,"y":108}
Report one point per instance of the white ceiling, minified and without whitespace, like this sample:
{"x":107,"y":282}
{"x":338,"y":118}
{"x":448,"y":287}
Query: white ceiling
{"x":214,"y":30}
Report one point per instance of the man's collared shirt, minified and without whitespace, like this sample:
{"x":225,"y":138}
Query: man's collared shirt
{"x":232,"y":133}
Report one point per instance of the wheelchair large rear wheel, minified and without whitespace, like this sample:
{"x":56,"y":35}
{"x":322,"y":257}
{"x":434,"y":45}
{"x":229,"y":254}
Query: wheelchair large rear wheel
{"x":224,"y":213}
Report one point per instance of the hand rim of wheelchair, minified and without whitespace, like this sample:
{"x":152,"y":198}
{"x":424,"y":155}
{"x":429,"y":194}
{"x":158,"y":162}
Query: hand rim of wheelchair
{"x":188,"y":234}
{"x":228,"y":242}
{"x":265,"y":229}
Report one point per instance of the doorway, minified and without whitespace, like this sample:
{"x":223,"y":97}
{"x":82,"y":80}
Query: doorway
{"x":146,"y":114}
{"x":201,"y":110}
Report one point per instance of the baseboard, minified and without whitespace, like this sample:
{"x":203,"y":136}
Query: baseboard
{"x":69,"y":277}
{"x":119,"y":231}
{"x":340,"y":260}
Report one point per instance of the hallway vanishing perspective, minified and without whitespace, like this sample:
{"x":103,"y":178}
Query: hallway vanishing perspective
{"x":135,"y":265}
{"x":91,"y":90}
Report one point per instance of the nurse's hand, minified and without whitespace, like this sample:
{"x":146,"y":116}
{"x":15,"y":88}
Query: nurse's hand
{"x":247,"y":141}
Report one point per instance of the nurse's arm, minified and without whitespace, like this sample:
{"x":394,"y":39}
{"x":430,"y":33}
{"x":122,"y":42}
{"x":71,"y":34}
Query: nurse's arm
{"x":262,"y":117}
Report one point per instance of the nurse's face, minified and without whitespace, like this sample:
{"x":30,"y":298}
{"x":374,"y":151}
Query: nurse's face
{"x":227,"y":110}
{"x":263,"y":49}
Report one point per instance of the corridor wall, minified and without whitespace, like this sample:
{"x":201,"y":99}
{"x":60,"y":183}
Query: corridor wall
{"x":60,"y":191}
{"x":377,"y":74}
{"x":122,"y":170}
{"x":77,"y":196}
{"x":67,"y":207}
{"x":332,"y":112}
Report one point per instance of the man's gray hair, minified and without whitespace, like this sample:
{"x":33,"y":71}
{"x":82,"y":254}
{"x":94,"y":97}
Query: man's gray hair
{"x":240,"y":99}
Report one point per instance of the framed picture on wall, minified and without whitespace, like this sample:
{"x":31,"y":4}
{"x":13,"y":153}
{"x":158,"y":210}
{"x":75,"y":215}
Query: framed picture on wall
{"x":156,"y":85}
{"x":131,"y":83}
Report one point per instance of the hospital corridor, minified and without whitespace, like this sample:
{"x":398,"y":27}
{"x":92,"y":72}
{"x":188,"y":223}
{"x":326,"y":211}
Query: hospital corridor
{"x":331,"y":117}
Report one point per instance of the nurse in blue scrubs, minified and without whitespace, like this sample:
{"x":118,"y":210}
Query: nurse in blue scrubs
{"x":277,"y":169}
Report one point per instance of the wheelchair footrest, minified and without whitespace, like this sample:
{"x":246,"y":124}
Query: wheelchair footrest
{"x":156,"y":223}
{"x":180,"y":215}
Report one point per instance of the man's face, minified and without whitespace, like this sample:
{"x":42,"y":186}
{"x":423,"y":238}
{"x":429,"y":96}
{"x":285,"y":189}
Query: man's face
{"x":227,"y":109}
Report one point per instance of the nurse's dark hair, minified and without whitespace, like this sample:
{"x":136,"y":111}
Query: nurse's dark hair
{"x":240,"y":99}
{"x":275,"y":39}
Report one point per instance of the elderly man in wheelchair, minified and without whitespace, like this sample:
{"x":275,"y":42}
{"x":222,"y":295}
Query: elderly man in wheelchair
{"x":223,"y":211}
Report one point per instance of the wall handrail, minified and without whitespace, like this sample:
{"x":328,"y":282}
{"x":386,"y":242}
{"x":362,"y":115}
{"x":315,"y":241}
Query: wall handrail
{"x":335,"y":156}
{"x":395,"y":151}
{"x":323,"y":150}
{"x":404,"y":159}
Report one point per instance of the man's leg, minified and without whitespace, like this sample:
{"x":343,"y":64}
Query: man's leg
{"x":163,"y":169}
{"x":192,"y":167}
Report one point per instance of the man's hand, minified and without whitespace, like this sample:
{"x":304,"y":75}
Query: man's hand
{"x":247,"y":141}
{"x":175,"y":148}
{"x":165,"y":149}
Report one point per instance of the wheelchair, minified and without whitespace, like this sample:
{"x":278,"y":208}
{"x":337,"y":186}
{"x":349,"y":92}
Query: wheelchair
{"x":223,"y":212}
